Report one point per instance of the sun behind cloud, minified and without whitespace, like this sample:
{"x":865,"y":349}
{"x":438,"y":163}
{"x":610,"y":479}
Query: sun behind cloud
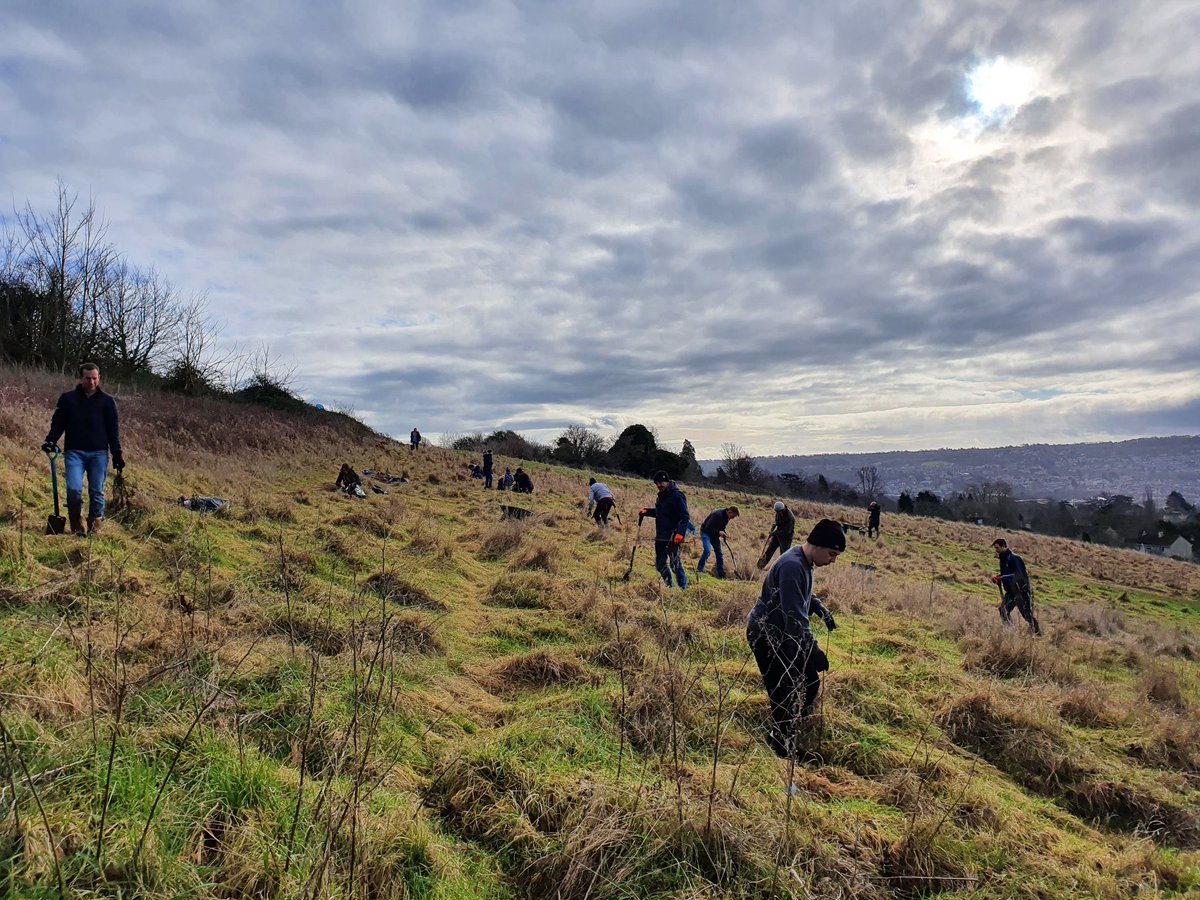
{"x":999,"y":87}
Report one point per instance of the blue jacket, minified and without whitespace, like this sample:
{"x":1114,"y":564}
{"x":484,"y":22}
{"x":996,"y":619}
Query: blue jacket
{"x":1013,"y":576}
{"x":787,"y":599}
{"x":90,"y":423}
{"x":670,"y":513}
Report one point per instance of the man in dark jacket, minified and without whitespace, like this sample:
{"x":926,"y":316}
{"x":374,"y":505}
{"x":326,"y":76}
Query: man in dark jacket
{"x":414,"y":440}
{"x":88,"y":418}
{"x":671,"y":519}
{"x":778,"y":631}
{"x":487,"y":469}
{"x":781,"y":535}
{"x":873,"y":512}
{"x":711,"y":532}
{"x":1014,"y":584}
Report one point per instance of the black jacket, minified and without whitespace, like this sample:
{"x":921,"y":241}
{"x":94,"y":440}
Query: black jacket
{"x":716,"y":522}
{"x":90,"y":423}
{"x":785,"y":523}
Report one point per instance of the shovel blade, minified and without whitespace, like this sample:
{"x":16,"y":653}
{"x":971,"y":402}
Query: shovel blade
{"x":56,"y":524}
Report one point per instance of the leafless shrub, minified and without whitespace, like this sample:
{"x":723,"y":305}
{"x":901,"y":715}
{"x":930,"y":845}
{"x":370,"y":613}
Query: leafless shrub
{"x":1095,"y":619}
{"x":625,"y":653}
{"x":657,"y":702}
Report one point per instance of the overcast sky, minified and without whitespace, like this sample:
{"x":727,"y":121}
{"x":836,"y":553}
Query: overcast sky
{"x":799,"y":227}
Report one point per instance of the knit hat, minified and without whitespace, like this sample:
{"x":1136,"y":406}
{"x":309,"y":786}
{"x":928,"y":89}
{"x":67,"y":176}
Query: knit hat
{"x":828,"y":534}
{"x":779,"y":506}
{"x":660,"y":475}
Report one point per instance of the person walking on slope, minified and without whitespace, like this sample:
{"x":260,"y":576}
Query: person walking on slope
{"x":602,"y":500}
{"x":780,"y":637}
{"x":88,"y":418}
{"x":487,"y":469}
{"x":671,"y":520}
{"x":781,"y":535}
{"x":873,"y":519}
{"x":414,"y":439}
{"x":711,"y":532}
{"x":1014,"y":585}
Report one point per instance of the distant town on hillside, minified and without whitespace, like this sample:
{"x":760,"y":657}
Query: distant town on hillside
{"x":1058,"y":471}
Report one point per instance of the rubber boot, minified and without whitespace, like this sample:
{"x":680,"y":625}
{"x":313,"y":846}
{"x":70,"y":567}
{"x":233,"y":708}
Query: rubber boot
{"x":75,"y":515}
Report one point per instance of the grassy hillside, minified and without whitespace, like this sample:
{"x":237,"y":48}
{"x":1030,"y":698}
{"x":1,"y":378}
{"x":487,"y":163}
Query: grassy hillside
{"x":309,"y":695}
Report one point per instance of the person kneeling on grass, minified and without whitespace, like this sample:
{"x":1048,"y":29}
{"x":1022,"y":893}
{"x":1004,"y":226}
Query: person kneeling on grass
{"x":779,"y":635}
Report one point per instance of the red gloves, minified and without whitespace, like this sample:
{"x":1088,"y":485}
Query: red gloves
{"x":996,"y":579}
{"x":678,"y":539}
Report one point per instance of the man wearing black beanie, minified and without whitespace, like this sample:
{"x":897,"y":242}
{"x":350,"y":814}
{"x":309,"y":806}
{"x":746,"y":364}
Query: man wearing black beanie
{"x":779,"y":635}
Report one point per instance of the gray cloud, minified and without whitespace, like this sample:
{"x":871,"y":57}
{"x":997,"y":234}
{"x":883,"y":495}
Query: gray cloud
{"x":777,"y":225}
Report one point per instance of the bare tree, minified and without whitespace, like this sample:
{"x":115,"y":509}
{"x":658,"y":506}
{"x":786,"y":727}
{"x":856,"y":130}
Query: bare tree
{"x":196,"y":364}
{"x":870,"y":482}
{"x":66,"y":256}
{"x":739,"y":467}
{"x":140,"y":313}
{"x":578,"y":445}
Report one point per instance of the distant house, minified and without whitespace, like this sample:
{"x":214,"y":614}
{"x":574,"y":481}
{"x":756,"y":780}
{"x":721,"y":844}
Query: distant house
{"x":1179,"y":548}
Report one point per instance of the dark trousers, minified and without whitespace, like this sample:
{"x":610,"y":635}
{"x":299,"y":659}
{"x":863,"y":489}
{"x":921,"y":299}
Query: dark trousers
{"x":667,"y":561}
{"x":872,"y":529}
{"x":487,"y":478}
{"x":603,"y":507}
{"x":787,"y":664}
{"x":781,"y":542}
{"x":1023,"y":602}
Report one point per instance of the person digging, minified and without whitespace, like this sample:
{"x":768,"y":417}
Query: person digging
{"x":1013,"y":581}
{"x":711,"y":534}
{"x":782,"y":534}
{"x":779,"y":635}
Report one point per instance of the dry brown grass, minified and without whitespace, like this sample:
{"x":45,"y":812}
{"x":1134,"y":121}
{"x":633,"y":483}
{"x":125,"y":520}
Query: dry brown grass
{"x":1009,"y":653}
{"x":500,"y":540}
{"x":535,"y":670}
{"x":1161,"y":684}
{"x":391,"y":587}
{"x":1089,"y":705}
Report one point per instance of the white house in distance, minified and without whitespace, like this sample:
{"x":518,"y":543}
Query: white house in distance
{"x":1176,"y":549}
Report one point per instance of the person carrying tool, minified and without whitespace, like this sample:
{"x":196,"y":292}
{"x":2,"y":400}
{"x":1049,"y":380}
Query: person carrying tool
{"x":601,"y":499}
{"x":780,"y":637}
{"x":671,"y":517}
{"x":873,"y":519}
{"x":487,"y":469}
{"x":414,"y":440}
{"x":88,"y":418}
{"x":781,"y":535}
{"x":711,"y":533}
{"x":1013,"y":581}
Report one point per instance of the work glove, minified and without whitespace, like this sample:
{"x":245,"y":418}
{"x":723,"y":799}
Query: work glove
{"x":830,"y":623}
{"x":996,"y":579}
{"x":678,"y":539}
{"x":49,"y":446}
{"x":119,"y":463}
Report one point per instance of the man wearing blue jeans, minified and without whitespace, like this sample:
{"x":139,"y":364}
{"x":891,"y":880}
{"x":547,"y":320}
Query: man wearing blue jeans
{"x":711,"y":533}
{"x":88,"y":418}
